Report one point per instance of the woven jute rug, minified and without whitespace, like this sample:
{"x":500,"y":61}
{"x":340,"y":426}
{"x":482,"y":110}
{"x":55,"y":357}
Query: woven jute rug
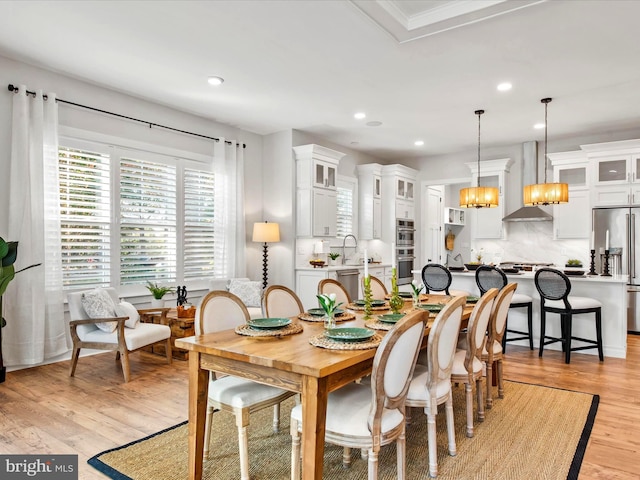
{"x":533,"y":432}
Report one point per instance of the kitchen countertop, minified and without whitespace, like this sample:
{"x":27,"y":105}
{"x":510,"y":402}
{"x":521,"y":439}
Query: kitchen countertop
{"x":531,"y":275}
{"x":335,"y":268}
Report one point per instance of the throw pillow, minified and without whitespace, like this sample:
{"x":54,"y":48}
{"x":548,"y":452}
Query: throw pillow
{"x":249,"y":292}
{"x":126,"y":309}
{"x":98,"y":304}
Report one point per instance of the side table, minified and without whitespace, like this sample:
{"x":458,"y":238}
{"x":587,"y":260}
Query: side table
{"x":180,"y":328}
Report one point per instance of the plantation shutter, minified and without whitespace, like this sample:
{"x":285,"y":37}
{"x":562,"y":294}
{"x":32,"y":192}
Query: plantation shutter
{"x":85,"y":206}
{"x":344,"y":218}
{"x":147,"y":222}
{"x":199,"y":230}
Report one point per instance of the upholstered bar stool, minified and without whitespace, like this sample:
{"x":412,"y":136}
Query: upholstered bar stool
{"x":554,"y":288}
{"x":492,"y":277}
{"x":437,"y":279}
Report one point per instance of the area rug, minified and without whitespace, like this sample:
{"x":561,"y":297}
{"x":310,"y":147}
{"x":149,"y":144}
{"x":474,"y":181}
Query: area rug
{"x":533,"y":432}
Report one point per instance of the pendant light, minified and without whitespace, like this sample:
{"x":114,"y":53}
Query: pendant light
{"x":479,"y":197}
{"x":545,"y":193}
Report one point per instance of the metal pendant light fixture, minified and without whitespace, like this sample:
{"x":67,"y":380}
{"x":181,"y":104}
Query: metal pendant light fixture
{"x":479,"y":197}
{"x":545,"y":193}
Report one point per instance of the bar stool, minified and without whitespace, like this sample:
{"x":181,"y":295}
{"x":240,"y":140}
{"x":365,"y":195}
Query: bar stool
{"x":554,"y":288}
{"x":488,"y":277}
{"x":437,"y":278}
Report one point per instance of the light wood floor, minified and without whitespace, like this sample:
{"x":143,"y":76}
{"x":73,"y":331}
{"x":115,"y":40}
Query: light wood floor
{"x":42,"y":410}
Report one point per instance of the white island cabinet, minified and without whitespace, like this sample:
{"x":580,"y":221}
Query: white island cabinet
{"x":610,"y":291}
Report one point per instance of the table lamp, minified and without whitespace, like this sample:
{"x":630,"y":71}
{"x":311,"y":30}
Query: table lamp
{"x":265,"y":232}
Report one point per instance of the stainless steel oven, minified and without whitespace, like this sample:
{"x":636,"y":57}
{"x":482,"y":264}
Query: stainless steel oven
{"x":404,"y":259}
{"x":405,"y":232}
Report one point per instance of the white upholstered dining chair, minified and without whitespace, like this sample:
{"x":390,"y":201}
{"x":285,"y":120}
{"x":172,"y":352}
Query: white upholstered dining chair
{"x":431,"y":384}
{"x":467,"y":363}
{"x":221,"y":310}
{"x":280,"y":301}
{"x":328,"y":286}
{"x":371,"y":416}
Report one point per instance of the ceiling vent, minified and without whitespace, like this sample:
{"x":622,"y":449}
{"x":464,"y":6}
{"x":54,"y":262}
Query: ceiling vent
{"x":529,"y":177}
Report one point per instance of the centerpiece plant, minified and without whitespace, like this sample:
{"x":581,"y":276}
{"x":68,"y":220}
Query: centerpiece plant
{"x":395,"y":302}
{"x":328,"y":304}
{"x":368,"y":296}
{"x":415,"y":292}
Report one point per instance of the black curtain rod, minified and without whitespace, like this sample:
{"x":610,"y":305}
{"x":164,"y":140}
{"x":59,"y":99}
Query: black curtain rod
{"x":14,"y":89}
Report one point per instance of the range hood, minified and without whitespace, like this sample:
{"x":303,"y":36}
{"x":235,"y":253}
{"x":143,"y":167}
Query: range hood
{"x":529,"y":214}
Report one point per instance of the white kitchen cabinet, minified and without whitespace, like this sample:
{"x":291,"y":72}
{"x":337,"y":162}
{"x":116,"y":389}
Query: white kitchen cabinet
{"x":370,"y":204}
{"x":486,"y":223}
{"x":573,"y":219}
{"x":616,"y":173}
{"x":398,"y":195}
{"x":316,"y":175}
{"x":307,"y":285}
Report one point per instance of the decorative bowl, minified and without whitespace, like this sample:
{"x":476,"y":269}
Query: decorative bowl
{"x":472,"y":266}
{"x":317,"y":263}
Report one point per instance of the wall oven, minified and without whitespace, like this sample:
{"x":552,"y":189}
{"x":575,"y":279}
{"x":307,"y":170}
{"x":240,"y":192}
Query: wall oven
{"x":404,"y":260}
{"x":405,"y":232}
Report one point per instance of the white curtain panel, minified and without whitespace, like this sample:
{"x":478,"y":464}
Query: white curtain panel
{"x":229,"y":201}
{"x":36,"y":329}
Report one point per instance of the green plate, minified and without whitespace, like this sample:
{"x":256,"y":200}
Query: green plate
{"x":472,"y":299}
{"x":390,"y":317}
{"x":319,"y":312}
{"x":432,"y":307}
{"x":374,"y":303}
{"x":350,"y":334}
{"x":405,"y":294}
{"x":268,"y":323}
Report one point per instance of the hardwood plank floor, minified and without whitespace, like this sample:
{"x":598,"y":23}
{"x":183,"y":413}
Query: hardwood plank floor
{"x":43,"y":410}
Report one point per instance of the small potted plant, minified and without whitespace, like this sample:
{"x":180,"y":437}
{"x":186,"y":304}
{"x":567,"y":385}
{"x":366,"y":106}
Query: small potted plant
{"x":333,"y":256}
{"x":158,"y":292}
{"x":473,"y":265}
{"x":328,"y":303}
{"x":574,"y":262}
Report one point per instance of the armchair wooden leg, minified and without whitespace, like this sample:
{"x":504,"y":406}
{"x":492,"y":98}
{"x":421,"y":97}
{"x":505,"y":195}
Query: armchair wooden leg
{"x":169,"y":352}
{"x":124,"y":356}
{"x":74,"y":361}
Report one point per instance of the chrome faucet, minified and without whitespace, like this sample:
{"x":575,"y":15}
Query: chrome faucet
{"x":344,"y":241}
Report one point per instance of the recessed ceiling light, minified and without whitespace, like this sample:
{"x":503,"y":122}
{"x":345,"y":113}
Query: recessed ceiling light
{"x":418,"y":143}
{"x":360,"y":115}
{"x":215,"y":81}
{"x":374,"y":123}
{"x":539,"y":126}
{"x":505,"y":86}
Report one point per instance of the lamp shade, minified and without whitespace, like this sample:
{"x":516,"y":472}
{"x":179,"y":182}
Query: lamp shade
{"x":266,"y":232}
{"x":479,"y":197}
{"x":545,"y":194}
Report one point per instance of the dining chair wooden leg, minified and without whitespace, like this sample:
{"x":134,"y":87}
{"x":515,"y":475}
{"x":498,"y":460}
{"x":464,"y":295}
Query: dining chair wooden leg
{"x":401,"y":455}
{"x":431,"y":445}
{"x":207,"y":431}
{"x":480,"y":395}
{"x":346,"y":457}
{"x":500,"y":382}
{"x":276,"y":418}
{"x":489,"y":380}
{"x":373,"y":465}
{"x":469,"y":397}
{"x":295,"y":450}
{"x":451,"y":427}
{"x":364,"y":453}
{"x":242,"y":423}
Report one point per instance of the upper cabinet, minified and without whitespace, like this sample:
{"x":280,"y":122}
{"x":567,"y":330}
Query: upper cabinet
{"x":370,"y":204}
{"x":616,"y":173}
{"x":573,"y":219}
{"x":487,"y":222}
{"x":398,"y":193}
{"x":316,"y":174}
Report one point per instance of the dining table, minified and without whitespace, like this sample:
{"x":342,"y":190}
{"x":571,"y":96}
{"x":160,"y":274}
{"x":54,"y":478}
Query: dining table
{"x":291,"y":362}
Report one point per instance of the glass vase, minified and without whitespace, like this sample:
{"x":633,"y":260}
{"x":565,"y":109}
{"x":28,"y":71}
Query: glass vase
{"x":329,"y":320}
{"x":416,"y":300}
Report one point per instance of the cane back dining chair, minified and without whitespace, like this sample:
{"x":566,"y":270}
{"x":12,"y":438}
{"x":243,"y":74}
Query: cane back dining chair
{"x":437,"y":279}
{"x":431,"y":384}
{"x":221,"y":310}
{"x":328,"y":286}
{"x":378,"y":290}
{"x":493,"y":352}
{"x":554,"y":288}
{"x":372,"y":416}
{"x":85,"y":332}
{"x":487,"y":277}
{"x":281,"y":301}
{"x":467,"y":363}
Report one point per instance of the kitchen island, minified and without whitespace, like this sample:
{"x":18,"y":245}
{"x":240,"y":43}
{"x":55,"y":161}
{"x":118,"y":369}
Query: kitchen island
{"x":610,"y":291}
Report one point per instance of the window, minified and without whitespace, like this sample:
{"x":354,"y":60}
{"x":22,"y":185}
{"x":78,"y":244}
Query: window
{"x":132,"y":216}
{"x":346,"y":208}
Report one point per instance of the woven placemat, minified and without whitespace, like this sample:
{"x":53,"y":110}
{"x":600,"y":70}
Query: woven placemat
{"x":353,"y":306}
{"x":323,"y":342}
{"x":378,"y":325}
{"x":290,"y":329}
{"x":343,"y":317}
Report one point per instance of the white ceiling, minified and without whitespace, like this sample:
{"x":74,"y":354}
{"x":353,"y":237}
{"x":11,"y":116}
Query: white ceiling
{"x":310,"y":65}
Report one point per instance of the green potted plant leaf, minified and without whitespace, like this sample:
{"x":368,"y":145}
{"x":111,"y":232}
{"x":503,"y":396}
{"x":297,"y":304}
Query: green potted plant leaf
{"x":8,"y":256}
{"x":333,"y":256}
{"x":158,"y":292}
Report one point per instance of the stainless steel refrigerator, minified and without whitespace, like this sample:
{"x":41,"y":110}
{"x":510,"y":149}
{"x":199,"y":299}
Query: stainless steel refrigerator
{"x":622,"y":225}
